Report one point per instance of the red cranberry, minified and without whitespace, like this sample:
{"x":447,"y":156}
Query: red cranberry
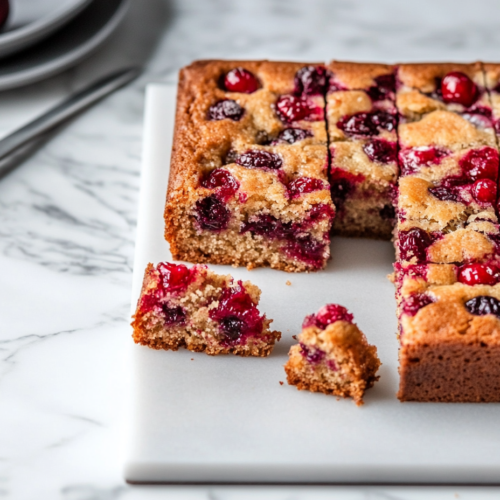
{"x":381,"y":151}
{"x":413,"y":244}
{"x":411,"y":159}
{"x":415,"y":302}
{"x":312,"y":354}
{"x":292,"y":135}
{"x":384,"y":88}
{"x":445,"y":193}
{"x":221,"y":180}
{"x":478,"y":274}
{"x":175,"y":278}
{"x":311,"y":80}
{"x":482,"y":305}
{"x":304,"y":185}
{"x":173,"y":315}
{"x":342,"y":184}
{"x":226,"y":108}
{"x":265,"y":225}
{"x":331,"y":313}
{"x":485,"y":191}
{"x":387,"y":212}
{"x":292,"y":108}
{"x":236,"y":314}
{"x":481,"y":164}
{"x":4,"y":11}
{"x":459,"y":88}
{"x":366,"y":124}
{"x":241,"y":80}
{"x":259,"y":158}
{"x":306,"y":249}
{"x":212,"y":214}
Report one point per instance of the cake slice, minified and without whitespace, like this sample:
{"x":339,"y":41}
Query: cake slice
{"x":333,"y":356}
{"x":201,"y":311}
{"x":362,"y":121}
{"x":248,"y":183}
{"x":450,"y":344}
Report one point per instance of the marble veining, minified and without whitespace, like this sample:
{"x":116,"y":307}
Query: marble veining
{"x":68,"y":213}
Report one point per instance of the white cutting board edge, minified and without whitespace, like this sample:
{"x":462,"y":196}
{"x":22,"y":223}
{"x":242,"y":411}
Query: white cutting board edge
{"x":196,"y":418}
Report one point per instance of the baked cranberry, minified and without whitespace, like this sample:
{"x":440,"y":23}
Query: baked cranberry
{"x":292,"y":135}
{"x":259,"y":158}
{"x":444,"y":193}
{"x":312,"y":354}
{"x":497,"y":126}
{"x":478,"y":274}
{"x":413,"y":244}
{"x":175,"y":278}
{"x":4,"y":11}
{"x":311,"y":80}
{"x":226,"y":108}
{"x":291,"y":108}
{"x":485,"y":191}
{"x":411,"y":159}
{"x":342,"y":184}
{"x":306,"y":249}
{"x":458,"y":88}
{"x":415,"y":302}
{"x":173,"y":315}
{"x":304,"y":185}
{"x":236,"y":314}
{"x":330,"y":313}
{"x":320,"y":211}
{"x":241,"y":80}
{"x":384,"y":88}
{"x":265,"y":225}
{"x":387,"y":212}
{"x":481,"y":164}
{"x":367,"y":124}
{"x":212,"y":214}
{"x":381,"y":151}
{"x":484,"y":304}
{"x":221,"y":180}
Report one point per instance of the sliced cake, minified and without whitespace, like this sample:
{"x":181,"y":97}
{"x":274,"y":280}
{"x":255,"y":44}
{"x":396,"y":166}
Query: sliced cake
{"x":248,"y":183}
{"x":333,"y":356}
{"x":362,"y":121}
{"x":201,"y":311}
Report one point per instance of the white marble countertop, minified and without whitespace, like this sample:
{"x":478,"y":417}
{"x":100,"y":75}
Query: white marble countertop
{"x":68,"y":213}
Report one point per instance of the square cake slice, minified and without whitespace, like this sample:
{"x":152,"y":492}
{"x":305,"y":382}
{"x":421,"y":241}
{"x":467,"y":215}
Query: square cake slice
{"x":201,"y":311}
{"x":248,"y":183}
{"x":362,"y":120}
{"x":450,"y":344}
{"x":333,"y":356}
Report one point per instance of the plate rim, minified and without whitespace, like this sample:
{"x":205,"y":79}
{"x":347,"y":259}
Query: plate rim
{"x":27,"y":35}
{"x":74,"y":56}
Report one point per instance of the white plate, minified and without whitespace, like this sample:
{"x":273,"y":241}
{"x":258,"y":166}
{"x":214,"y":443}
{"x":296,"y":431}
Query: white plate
{"x":33,"y":20}
{"x":72,"y":43}
{"x":196,"y":418}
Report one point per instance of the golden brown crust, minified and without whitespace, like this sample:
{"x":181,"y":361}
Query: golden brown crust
{"x":422,"y":76}
{"x":358,"y":76}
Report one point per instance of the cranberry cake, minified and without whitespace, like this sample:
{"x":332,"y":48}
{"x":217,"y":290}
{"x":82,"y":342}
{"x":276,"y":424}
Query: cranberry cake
{"x":362,"y":119}
{"x":249,"y":182}
{"x":201,"y":311}
{"x":333,"y":356}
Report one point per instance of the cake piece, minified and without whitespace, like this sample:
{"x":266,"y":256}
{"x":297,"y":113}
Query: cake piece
{"x":248,"y":183}
{"x":492,"y":82}
{"x":448,"y":161}
{"x":201,"y":311}
{"x":333,"y":356}
{"x":362,"y":120}
{"x":450,"y":344}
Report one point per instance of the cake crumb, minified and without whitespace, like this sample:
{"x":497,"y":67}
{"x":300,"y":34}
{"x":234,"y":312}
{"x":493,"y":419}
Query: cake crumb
{"x":281,"y":382}
{"x":192,"y":359}
{"x":294,"y":337}
{"x":288,"y":283}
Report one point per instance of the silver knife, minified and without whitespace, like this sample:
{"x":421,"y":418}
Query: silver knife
{"x":65,"y":110}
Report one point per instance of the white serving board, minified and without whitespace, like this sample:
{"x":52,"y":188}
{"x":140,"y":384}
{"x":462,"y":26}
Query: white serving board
{"x":196,"y":418}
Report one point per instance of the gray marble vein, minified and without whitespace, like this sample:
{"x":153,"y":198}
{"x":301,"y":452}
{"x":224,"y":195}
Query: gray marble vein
{"x":68,"y":214}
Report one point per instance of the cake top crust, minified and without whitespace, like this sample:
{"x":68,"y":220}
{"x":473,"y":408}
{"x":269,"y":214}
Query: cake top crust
{"x":358,"y":76}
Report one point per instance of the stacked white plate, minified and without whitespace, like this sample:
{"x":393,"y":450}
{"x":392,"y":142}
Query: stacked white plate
{"x":44,"y":37}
